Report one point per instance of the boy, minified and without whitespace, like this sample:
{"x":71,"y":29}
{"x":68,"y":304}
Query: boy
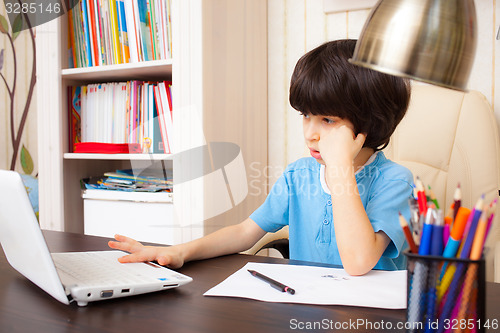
{"x":342,"y":204}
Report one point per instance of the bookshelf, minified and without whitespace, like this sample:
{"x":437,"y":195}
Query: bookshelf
{"x":133,"y":157}
{"x":219,"y":75}
{"x":153,"y":70}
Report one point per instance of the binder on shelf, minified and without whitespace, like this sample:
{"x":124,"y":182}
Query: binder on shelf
{"x":122,"y":31}
{"x":71,"y":41}
{"x":98,"y":32}
{"x":158,"y":145}
{"x":117,"y":54}
{"x":93,"y":32}
{"x":145,"y":29}
{"x":74,"y":116}
{"x":86,"y":31}
{"x":107,"y":148}
{"x":132,"y":31}
{"x":105,"y":32}
{"x":161,"y":120}
{"x":166,"y":112}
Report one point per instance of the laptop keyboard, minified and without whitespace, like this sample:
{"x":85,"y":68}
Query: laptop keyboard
{"x":100,"y":268}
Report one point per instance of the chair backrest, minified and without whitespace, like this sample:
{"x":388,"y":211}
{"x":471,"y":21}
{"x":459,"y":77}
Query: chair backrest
{"x":449,"y":137}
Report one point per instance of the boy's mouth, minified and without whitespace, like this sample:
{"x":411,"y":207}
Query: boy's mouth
{"x":314,"y":153}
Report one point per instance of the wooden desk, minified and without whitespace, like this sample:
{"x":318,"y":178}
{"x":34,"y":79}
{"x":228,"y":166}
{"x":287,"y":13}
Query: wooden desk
{"x":26,"y":308}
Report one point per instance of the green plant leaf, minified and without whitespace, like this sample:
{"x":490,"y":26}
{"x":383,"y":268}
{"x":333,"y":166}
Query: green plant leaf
{"x":26,"y":161}
{"x":4,"y":25}
{"x":17,"y":27}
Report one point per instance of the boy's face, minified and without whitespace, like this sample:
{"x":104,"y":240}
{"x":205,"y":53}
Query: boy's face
{"x":316,"y":126}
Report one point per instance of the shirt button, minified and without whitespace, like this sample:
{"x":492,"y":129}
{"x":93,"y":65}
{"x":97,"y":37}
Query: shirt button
{"x":325,"y":221}
{"x":329,"y":202}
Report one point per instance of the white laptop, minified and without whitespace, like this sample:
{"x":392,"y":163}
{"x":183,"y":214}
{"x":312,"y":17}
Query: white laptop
{"x":72,"y":276}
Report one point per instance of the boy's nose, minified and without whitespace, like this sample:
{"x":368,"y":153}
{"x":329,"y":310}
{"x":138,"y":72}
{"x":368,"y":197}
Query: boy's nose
{"x":311,"y":132}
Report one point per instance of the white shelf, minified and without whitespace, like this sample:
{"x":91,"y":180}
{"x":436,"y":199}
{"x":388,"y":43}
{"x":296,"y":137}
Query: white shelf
{"x":150,"y":70}
{"x":123,"y":157}
{"x":163,"y":197}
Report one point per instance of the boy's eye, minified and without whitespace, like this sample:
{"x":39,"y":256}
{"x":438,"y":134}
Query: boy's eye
{"x":328,"y":120}
{"x":305,"y":115}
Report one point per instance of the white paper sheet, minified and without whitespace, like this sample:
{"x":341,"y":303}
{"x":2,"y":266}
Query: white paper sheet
{"x":317,"y":285}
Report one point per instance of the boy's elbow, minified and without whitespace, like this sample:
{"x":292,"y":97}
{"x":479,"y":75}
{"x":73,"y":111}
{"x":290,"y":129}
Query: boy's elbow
{"x":356,"y":271}
{"x":358,"y":266}
{"x":363,"y":260}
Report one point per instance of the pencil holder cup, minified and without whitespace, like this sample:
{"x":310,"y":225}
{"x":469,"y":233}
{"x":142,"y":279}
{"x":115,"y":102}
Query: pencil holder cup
{"x":445,"y":294}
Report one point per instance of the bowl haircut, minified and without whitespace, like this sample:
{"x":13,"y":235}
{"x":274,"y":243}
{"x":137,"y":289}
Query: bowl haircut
{"x":325,"y":83}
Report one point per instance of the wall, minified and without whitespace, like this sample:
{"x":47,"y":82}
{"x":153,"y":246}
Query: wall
{"x":297,"y":26}
{"x":15,"y":76}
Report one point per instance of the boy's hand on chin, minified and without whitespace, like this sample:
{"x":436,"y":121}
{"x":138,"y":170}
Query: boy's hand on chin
{"x":339,"y":147}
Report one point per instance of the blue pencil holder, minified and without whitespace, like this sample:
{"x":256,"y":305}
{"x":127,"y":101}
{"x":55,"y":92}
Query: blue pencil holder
{"x":445,"y":294}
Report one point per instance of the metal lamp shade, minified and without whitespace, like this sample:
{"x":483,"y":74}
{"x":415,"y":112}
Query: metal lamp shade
{"x":427,"y":40}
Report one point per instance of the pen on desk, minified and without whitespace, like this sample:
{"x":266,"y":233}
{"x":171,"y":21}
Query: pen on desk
{"x":408,"y":234}
{"x":275,"y":284}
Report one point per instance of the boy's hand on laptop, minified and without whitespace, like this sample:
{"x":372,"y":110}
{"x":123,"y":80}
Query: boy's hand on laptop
{"x":165,"y":256}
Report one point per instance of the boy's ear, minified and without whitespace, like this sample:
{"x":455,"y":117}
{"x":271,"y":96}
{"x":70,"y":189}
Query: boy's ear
{"x":365,"y":135}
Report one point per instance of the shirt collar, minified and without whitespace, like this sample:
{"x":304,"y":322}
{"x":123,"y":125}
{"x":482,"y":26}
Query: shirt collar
{"x":322,"y":172}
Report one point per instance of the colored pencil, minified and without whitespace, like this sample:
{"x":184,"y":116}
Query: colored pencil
{"x":457,"y":200}
{"x":421,"y":198}
{"x":471,"y":274}
{"x":408,"y":234}
{"x":432,"y":196}
{"x":491,"y":212}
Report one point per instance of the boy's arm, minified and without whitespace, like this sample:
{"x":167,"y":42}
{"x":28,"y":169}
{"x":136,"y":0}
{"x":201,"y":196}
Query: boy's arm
{"x":360,"y":247}
{"x":231,"y":239}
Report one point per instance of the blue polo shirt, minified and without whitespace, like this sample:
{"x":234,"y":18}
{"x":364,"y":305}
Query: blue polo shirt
{"x":301,"y":200}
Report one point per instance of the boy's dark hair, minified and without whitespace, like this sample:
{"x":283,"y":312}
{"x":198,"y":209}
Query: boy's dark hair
{"x":325,"y":83}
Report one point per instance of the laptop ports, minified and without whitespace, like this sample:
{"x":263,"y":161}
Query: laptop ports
{"x":106,"y":293}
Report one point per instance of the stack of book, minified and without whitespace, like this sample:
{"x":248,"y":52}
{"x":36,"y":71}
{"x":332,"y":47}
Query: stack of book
{"x":128,"y":181}
{"x":132,"y":112}
{"x":107,"y":32}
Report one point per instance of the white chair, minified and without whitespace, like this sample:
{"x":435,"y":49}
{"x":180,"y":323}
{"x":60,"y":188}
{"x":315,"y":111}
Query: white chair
{"x":449,"y":137}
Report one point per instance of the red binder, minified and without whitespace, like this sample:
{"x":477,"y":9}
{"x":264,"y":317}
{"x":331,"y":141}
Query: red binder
{"x":107,"y":148}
